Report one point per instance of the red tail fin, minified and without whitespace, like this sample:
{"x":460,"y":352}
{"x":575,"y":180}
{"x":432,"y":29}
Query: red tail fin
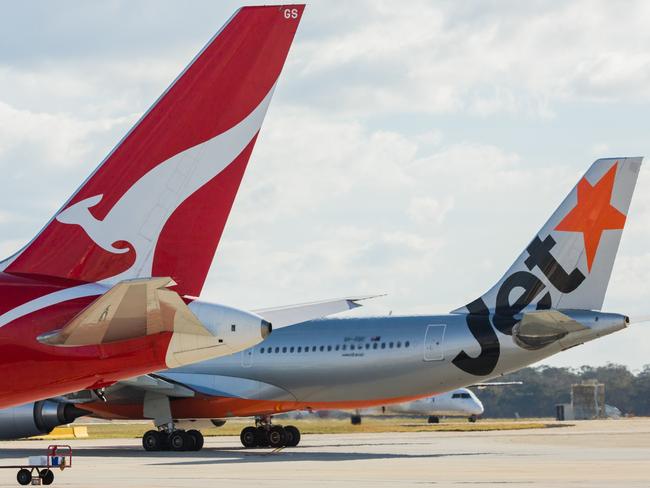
{"x":158,"y":204}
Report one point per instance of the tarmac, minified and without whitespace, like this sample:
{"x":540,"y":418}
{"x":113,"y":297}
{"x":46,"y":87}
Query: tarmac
{"x":600,"y":453}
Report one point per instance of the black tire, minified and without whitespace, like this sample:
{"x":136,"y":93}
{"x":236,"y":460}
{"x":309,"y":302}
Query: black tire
{"x":293,"y":435}
{"x":277,"y":436}
{"x":152,"y":440}
{"x":248,"y":437}
{"x":198,"y":439}
{"x":262,"y":437}
{"x":47,"y":476}
{"x":433,"y":420}
{"x":472,"y":418}
{"x":355,"y":420}
{"x":179,"y":440}
{"x":24,"y":477}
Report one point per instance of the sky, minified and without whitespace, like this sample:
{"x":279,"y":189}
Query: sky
{"x":411,"y":148}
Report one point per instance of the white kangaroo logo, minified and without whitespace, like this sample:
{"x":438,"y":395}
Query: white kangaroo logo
{"x":140,"y":214}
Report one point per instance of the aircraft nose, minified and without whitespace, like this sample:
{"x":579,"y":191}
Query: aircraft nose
{"x":267,"y":328}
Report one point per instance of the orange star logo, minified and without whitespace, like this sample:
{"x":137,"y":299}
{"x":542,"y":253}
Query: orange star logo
{"x":593,"y":213}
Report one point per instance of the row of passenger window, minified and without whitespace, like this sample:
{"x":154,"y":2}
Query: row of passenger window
{"x":337,"y":347}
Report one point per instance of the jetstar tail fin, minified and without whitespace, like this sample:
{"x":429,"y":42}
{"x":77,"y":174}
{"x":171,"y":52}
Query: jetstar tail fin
{"x":568,"y":263}
{"x":158,"y":204}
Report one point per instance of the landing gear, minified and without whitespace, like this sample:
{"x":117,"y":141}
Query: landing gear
{"x":472,"y":418}
{"x":293,"y":436}
{"x":198,"y":439}
{"x":433,"y":419}
{"x":154,"y":440}
{"x":176,"y":440}
{"x":248,"y":437}
{"x":355,"y":419}
{"x":264,"y":434}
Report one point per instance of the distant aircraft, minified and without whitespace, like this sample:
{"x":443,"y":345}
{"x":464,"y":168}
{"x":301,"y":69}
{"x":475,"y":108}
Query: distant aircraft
{"x":106,"y":291}
{"x":548,"y":301}
{"x":461,"y":402}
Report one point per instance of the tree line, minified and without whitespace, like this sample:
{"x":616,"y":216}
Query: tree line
{"x":544,"y":386}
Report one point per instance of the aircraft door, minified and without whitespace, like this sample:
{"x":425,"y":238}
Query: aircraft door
{"x":434,"y":337}
{"x":247,"y":357}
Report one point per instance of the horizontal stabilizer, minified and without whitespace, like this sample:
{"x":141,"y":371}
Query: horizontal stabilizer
{"x":294,"y":314}
{"x":130,"y":309}
{"x":542,"y":327}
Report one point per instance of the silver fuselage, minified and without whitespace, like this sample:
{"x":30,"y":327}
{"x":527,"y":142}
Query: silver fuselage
{"x":358,"y":359}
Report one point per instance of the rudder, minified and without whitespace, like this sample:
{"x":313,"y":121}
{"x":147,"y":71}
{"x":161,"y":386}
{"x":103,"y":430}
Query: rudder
{"x":569,"y":262}
{"x":158,"y":204}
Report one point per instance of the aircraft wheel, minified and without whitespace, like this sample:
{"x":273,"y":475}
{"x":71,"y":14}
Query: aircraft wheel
{"x":24,"y":476}
{"x":433,"y":420}
{"x":47,"y":476}
{"x":262,"y":437}
{"x":152,"y":440}
{"x":179,"y":440}
{"x":293,"y":435}
{"x":355,"y":420}
{"x":198,"y":439}
{"x":277,"y":436}
{"x":472,"y":418}
{"x":248,"y":437}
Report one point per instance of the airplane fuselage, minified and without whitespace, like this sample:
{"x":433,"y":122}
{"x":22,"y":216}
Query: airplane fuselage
{"x":349,"y":363}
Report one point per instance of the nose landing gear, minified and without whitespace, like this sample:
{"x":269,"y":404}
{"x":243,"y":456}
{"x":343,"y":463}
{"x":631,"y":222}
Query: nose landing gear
{"x":264,"y":434}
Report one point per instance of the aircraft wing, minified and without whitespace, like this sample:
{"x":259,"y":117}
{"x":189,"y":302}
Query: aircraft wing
{"x":294,"y":314}
{"x":130,"y":309}
{"x":487,"y":384}
{"x":156,"y":384}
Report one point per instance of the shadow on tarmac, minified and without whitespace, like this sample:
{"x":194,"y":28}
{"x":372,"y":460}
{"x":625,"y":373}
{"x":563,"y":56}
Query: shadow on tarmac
{"x":218,"y":456}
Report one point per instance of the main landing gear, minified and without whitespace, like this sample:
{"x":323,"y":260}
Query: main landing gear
{"x":264,"y":434}
{"x":176,"y":440}
{"x":167,"y":437}
{"x":433,"y":419}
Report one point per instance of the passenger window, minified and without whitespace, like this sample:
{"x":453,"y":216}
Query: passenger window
{"x":277,"y":349}
{"x":329,"y":348}
{"x":291,"y":349}
{"x":337,"y":347}
{"x":299,"y":348}
{"x":390,"y":344}
{"x":407,"y":344}
{"x":313,"y":348}
{"x":375,"y":345}
{"x":322,"y":348}
{"x":383,"y":345}
{"x":368,"y":346}
{"x":345,"y":347}
{"x":262,"y":351}
{"x":399,"y":344}
{"x":284,"y":349}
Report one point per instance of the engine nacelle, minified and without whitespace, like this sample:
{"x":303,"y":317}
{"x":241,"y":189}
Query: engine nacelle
{"x":36,"y":418}
{"x":238,"y":329}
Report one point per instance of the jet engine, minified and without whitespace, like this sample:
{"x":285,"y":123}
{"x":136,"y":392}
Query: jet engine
{"x":36,"y":418}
